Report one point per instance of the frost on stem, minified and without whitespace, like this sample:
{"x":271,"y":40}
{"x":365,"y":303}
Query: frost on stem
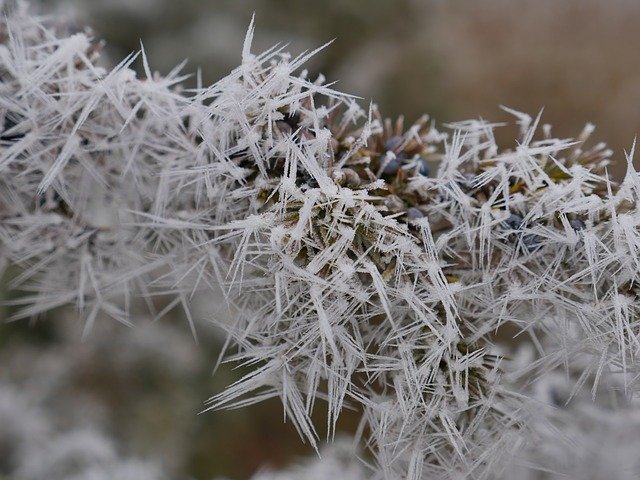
{"x":369,"y":265}
{"x":358,"y":278}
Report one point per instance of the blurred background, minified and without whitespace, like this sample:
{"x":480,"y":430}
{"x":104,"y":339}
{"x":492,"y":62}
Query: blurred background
{"x":455,"y":59}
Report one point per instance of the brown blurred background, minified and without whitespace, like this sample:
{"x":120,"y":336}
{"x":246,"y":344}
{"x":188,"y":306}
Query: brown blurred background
{"x":453,"y":59}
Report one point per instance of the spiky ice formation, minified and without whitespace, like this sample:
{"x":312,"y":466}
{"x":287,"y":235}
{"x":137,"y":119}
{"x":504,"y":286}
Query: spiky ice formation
{"x":355,"y":274}
{"x":81,"y":149}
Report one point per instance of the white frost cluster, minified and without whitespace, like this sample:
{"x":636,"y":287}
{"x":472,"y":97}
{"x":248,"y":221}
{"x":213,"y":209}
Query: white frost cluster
{"x":81,"y":150}
{"x":580,"y":439}
{"x":368,"y":266}
{"x":336,"y":461}
{"x":32,"y":448}
{"x":73,"y":409}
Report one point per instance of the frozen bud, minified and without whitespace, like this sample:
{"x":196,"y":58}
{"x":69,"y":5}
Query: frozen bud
{"x":577,"y":224}
{"x":414,"y":213}
{"x":393,"y":144}
{"x":352,"y":178}
{"x":532,"y":242}
{"x":346,"y":177}
{"x":394,"y":203}
{"x":391,"y":167}
{"x":423,"y":167}
{"x":340,"y":177}
{"x":514,"y":222}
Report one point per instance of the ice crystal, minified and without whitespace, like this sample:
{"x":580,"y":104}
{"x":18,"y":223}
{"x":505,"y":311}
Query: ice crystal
{"x":368,"y":265}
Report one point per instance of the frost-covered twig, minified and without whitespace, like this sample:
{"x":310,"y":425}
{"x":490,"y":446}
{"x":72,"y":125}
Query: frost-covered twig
{"x":369,"y":266}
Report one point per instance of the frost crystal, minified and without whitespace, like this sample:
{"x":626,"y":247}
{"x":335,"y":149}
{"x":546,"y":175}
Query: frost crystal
{"x":368,"y":265}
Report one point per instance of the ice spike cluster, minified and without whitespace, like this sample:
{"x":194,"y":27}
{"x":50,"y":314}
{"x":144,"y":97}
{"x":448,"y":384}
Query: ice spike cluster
{"x":368,"y":265}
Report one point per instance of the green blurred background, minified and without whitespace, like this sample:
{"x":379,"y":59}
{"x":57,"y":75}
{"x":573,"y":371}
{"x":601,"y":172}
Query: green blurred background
{"x":454,"y":59}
